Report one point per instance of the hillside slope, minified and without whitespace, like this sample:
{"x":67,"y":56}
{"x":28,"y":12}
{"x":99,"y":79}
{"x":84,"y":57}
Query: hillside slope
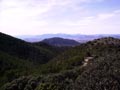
{"x":18,"y":58}
{"x":54,"y":49}
{"x":60,"y":42}
{"x":24,"y":50}
{"x":68,"y":71}
{"x":12,"y":67}
{"x":102,"y":72}
{"x":75,"y":56}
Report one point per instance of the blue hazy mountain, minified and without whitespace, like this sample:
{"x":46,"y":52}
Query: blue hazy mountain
{"x":77,"y":37}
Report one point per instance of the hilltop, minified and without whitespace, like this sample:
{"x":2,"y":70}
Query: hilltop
{"x":56,"y":41}
{"x":106,"y":41}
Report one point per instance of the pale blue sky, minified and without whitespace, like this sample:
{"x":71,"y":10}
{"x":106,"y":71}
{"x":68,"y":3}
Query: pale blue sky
{"x":33,"y":17}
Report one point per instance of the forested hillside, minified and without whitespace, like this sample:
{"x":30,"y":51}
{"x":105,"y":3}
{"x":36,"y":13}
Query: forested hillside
{"x":94,"y":65}
{"x":24,"y":50}
{"x":19,"y":58}
{"x":56,"y":41}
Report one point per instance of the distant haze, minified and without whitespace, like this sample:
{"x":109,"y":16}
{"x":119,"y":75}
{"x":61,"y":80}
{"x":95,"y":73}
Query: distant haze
{"x":77,"y":37}
{"x":35,"y":17}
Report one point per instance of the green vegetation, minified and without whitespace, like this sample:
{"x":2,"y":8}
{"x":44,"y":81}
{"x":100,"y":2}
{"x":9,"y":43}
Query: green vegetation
{"x":12,"y":67}
{"x":19,"y":58}
{"x":24,"y":50}
{"x":94,"y":65}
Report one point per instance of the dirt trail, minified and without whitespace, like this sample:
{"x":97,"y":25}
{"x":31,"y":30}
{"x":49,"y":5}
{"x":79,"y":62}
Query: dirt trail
{"x":86,"y":60}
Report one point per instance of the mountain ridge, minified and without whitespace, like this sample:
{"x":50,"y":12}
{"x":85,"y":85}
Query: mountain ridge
{"x":78,"y":37}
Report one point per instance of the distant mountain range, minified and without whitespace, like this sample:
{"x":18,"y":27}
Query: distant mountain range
{"x":78,"y":37}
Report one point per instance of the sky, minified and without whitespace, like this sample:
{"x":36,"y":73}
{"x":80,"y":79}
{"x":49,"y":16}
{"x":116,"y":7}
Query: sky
{"x":35,"y":17}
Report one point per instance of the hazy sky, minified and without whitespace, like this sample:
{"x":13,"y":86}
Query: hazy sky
{"x":30,"y":17}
